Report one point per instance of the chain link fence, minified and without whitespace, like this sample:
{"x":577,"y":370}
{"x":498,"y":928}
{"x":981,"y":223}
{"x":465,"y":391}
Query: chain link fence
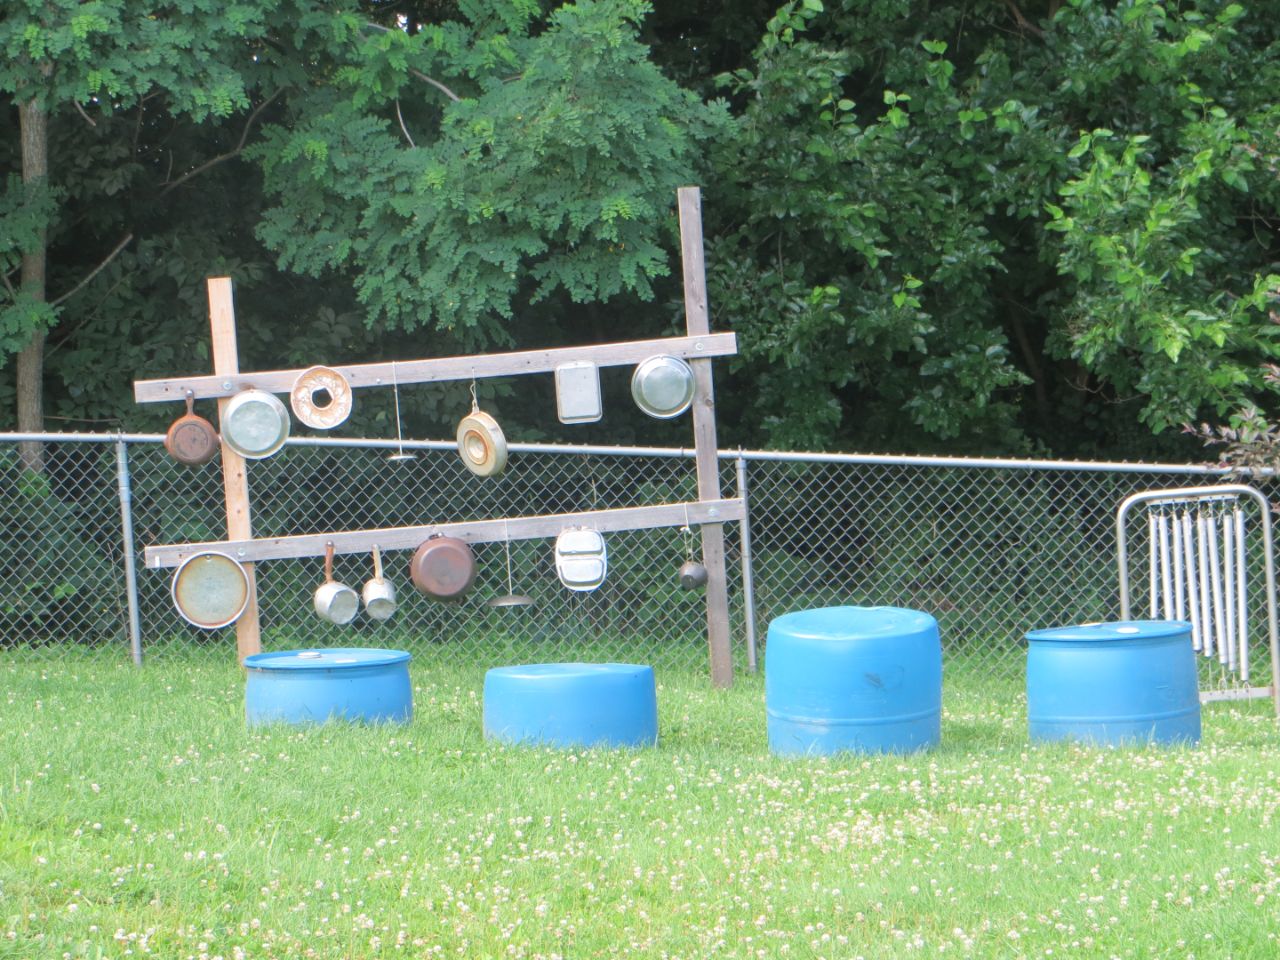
{"x":991,"y":548}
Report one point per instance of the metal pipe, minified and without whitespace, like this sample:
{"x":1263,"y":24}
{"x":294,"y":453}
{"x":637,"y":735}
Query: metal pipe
{"x":748,"y":584}
{"x":126,"y":535}
{"x":766,"y":456}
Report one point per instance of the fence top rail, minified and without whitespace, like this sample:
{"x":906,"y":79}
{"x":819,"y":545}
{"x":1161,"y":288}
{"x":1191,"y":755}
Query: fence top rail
{"x":765,"y":456}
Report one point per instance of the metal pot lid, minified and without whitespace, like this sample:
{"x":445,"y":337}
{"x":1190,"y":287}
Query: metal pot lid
{"x":443,"y":568}
{"x":255,"y":424}
{"x":311,"y":405}
{"x":481,"y":444}
{"x":210,"y":590}
{"x":662,"y":386}
{"x":510,"y":600}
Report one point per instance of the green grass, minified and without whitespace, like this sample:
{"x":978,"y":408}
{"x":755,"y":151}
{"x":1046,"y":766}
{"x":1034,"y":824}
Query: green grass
{"x":139,"y":817}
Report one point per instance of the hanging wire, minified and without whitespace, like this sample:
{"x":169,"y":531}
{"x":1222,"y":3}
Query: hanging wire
{"x":395,"y":392}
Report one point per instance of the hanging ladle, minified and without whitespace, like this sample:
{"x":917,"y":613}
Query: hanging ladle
{"x":512,"y":599}
{"x":399,"y":456}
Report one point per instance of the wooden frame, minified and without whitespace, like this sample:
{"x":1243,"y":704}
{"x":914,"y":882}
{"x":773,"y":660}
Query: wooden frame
{"x":710,"y":511}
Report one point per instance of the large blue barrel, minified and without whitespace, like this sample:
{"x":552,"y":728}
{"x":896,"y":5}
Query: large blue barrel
{"x":1124,"y":682}
{"x":572,"y":705}
{"x":312,"y":686}
{"x":865,"y":679}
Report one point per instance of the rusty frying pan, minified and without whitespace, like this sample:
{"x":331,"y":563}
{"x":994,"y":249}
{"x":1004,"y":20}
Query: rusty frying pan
{"x":191,"y":439}
{"x":443,"y":568}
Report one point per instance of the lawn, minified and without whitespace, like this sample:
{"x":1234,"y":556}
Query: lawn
{"x":139,"y":817}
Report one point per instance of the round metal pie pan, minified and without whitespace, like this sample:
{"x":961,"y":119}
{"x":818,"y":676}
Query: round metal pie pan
{"x":662,"y":386}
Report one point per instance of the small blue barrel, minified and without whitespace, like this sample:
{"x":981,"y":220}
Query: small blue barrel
{"x":1110,"y":683}
{"x":572,"y":705}
{"x":864,"y":679}
{"x":312,"y":686}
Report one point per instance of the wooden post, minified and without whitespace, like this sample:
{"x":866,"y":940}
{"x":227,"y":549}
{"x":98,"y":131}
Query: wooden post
{"x":698,"y":323}
{"x":235,"y":480}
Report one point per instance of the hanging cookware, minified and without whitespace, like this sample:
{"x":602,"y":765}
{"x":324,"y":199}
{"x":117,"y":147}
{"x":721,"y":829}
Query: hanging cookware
{"x":255,"y":424}
{"x":321,"y":398}
{"x":210,"y":590}
{"x":512,"y":599}
{"x":481,"y":444}
{"x":443,"y":567}
{"x":400,"y":455}
{"x":335,"y":602}
{"x":693,"y":575}
{"x":191,"y":439}
{"x":662,"y":386}
{"x":379,"y":594}
{"x":581,"y":559}
{"x":578,"y":392}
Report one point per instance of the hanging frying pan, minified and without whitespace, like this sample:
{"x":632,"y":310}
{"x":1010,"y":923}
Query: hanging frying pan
{"x":255,"y":424}
{"x":481,"y":444}
{"x":210,"y":590}
{"x":191,"y":439}
{"x":443,"y":568}
{"x":321,"y":398}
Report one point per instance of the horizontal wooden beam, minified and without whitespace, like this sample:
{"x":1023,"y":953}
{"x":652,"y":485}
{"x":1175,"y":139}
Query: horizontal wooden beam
{"x":474,"y":531}
{"x":443,"y":368}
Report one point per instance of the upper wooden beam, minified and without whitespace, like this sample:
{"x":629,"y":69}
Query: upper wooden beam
{"x":443,"y":368}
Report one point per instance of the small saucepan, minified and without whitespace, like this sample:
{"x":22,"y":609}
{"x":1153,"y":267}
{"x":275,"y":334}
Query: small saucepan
{"x":379,"y":594}
{"x":335,"y":602}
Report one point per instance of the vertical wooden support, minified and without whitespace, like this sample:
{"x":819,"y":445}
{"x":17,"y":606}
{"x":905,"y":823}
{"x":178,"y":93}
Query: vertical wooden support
{"x":698,"y":322}
{"x":235,"y":480}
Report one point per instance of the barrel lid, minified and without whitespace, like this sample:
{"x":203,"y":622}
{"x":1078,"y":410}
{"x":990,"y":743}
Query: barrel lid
{"x":1115,"y":630}
{"x":333,"y":658}
{"x":843,"y":623}
{"x":530,"y":670}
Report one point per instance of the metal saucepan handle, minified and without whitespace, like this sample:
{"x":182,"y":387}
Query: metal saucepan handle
{"x":328,"y":563}
{"x":377,"y":563}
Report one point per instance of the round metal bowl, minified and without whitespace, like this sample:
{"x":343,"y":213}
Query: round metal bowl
{"x":210,"y":590}
{"x":481,"y":444}
{"x":255,"y":424}
{"x":663,"y":386}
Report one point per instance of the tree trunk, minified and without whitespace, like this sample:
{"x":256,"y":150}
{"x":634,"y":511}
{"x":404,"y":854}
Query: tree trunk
{"x":34,"y":121}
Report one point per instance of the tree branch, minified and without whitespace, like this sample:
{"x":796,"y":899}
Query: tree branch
{"x":400,"y":117}
{"x":435,"y":83}
{"x":13,"y":294}
{"x":234,"y":152}
{"x":94,"y":272}
{"x":1022,"y":22}
{"x":87,"y":119}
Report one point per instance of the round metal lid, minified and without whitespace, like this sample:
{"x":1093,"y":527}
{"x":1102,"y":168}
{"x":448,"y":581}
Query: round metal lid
{"x":335,"y":658}
{"x":255,"y":424}
{"x":210,"y":590}
{"x":663,"y":386}
{"x":1118,"y":630}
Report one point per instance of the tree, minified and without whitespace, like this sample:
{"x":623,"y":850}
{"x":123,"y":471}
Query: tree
{"x":930,"y":244}
{"x":194,"y":60}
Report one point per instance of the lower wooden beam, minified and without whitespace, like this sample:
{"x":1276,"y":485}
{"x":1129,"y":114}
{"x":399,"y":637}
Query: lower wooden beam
{"x":474,"y":531}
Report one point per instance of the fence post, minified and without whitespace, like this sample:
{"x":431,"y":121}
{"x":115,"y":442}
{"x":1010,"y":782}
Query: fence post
{"x":748,"y":583}
{"x":126,"y":534}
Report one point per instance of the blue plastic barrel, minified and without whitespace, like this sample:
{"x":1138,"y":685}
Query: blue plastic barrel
{"x":572,"y":705}
{"x":312,"y":686}
{"x":863,"y":679}
{"x":1111,"y":683}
